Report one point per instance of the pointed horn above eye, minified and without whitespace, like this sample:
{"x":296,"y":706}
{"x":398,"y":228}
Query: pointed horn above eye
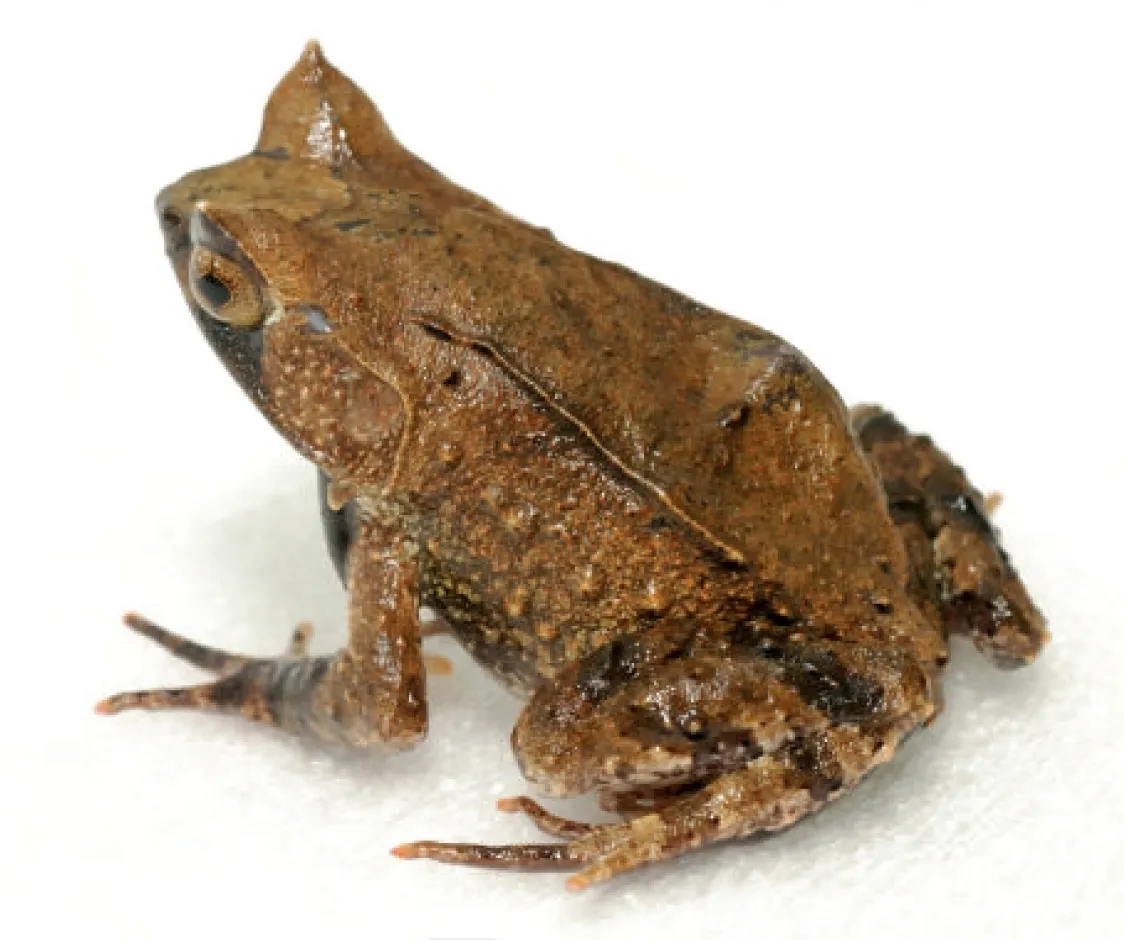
{"x":317,"y":113}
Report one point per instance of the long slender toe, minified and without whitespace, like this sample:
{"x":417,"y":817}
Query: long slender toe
{"x":156,"y":700}
{"x":552,"y":856}
{"x":545,"y":820}
{"x":198,"y":654}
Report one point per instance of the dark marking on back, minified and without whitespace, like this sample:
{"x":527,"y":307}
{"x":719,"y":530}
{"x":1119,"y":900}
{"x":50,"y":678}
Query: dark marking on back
{"x":734,"y":415}
{"x":352,"y":224}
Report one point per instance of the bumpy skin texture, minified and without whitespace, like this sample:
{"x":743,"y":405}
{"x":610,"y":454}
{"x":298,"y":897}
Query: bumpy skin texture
{"x":726,"y":596}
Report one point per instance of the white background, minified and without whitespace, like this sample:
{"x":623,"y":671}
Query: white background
{"x":926,"y":198}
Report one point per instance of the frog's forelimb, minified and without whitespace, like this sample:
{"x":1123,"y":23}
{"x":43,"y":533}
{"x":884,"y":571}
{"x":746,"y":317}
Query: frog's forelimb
{"x":372,"y":691}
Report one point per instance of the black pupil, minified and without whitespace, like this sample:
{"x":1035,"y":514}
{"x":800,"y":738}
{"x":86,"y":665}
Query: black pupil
{"x":214,"y":291}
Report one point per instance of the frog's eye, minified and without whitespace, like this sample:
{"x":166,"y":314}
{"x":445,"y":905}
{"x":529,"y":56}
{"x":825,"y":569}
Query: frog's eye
{"x":223,"y":289}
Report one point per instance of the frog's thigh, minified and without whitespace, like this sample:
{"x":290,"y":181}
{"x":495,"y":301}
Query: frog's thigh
{"x":960,"y":571}
{"x":652,"y":711}
{"x":372,"y":691}
{"x":648,"y":710}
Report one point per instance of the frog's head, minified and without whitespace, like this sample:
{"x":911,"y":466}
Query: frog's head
{"x":239,"y":234}
{"x":255,"y":250}
{"x":278,"y":317}
{"x":233,"y":297}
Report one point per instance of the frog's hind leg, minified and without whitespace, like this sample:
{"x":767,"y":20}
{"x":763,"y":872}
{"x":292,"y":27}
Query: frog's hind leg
{"x":771,"y":793}
{"x":627,"y":803}
{"x":715,"y":741}
{"x":960,"y":572}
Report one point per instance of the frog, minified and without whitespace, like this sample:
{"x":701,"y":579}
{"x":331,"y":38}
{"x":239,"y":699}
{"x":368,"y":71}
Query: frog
{"x":724,"y":595}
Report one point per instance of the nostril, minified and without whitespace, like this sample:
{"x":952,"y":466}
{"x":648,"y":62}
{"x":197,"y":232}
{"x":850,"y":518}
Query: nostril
{"x":171,"y":221}
{"x":174,"y":226}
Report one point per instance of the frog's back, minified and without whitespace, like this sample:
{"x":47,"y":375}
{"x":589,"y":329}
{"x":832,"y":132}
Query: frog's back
{"x":733,"y":428}
{"x":730,"y":427}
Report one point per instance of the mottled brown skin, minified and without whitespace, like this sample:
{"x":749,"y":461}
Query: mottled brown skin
{"x":726,"y":597}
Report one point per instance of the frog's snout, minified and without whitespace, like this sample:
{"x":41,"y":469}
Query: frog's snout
{"x":174,"y":226}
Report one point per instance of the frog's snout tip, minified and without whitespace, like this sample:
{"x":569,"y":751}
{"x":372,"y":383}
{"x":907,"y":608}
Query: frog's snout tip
{"x":406,"y":850}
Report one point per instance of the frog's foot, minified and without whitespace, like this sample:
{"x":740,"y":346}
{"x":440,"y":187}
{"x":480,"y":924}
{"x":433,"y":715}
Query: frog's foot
{"x":771,"y":793}
{"x":960,"y":572}
{"x":630,"y":802}
{"x":247,"y":685}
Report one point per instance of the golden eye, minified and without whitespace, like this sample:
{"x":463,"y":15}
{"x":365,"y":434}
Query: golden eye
{"x":223,"y":289}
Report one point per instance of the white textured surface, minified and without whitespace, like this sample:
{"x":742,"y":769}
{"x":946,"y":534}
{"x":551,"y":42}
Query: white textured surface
{"x":927,"y":198}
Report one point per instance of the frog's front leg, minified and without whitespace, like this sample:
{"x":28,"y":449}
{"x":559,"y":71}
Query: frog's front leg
{"x":372,"y":691}
{"x":742,"y":736}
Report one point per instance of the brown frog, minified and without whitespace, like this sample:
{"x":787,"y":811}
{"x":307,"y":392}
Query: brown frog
{"x":726,"y":596}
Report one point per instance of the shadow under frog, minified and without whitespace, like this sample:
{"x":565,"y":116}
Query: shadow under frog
{"x":725,"y":595}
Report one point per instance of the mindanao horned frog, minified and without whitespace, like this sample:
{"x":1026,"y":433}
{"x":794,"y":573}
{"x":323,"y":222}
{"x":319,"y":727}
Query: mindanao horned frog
{"x":725,"y":595}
